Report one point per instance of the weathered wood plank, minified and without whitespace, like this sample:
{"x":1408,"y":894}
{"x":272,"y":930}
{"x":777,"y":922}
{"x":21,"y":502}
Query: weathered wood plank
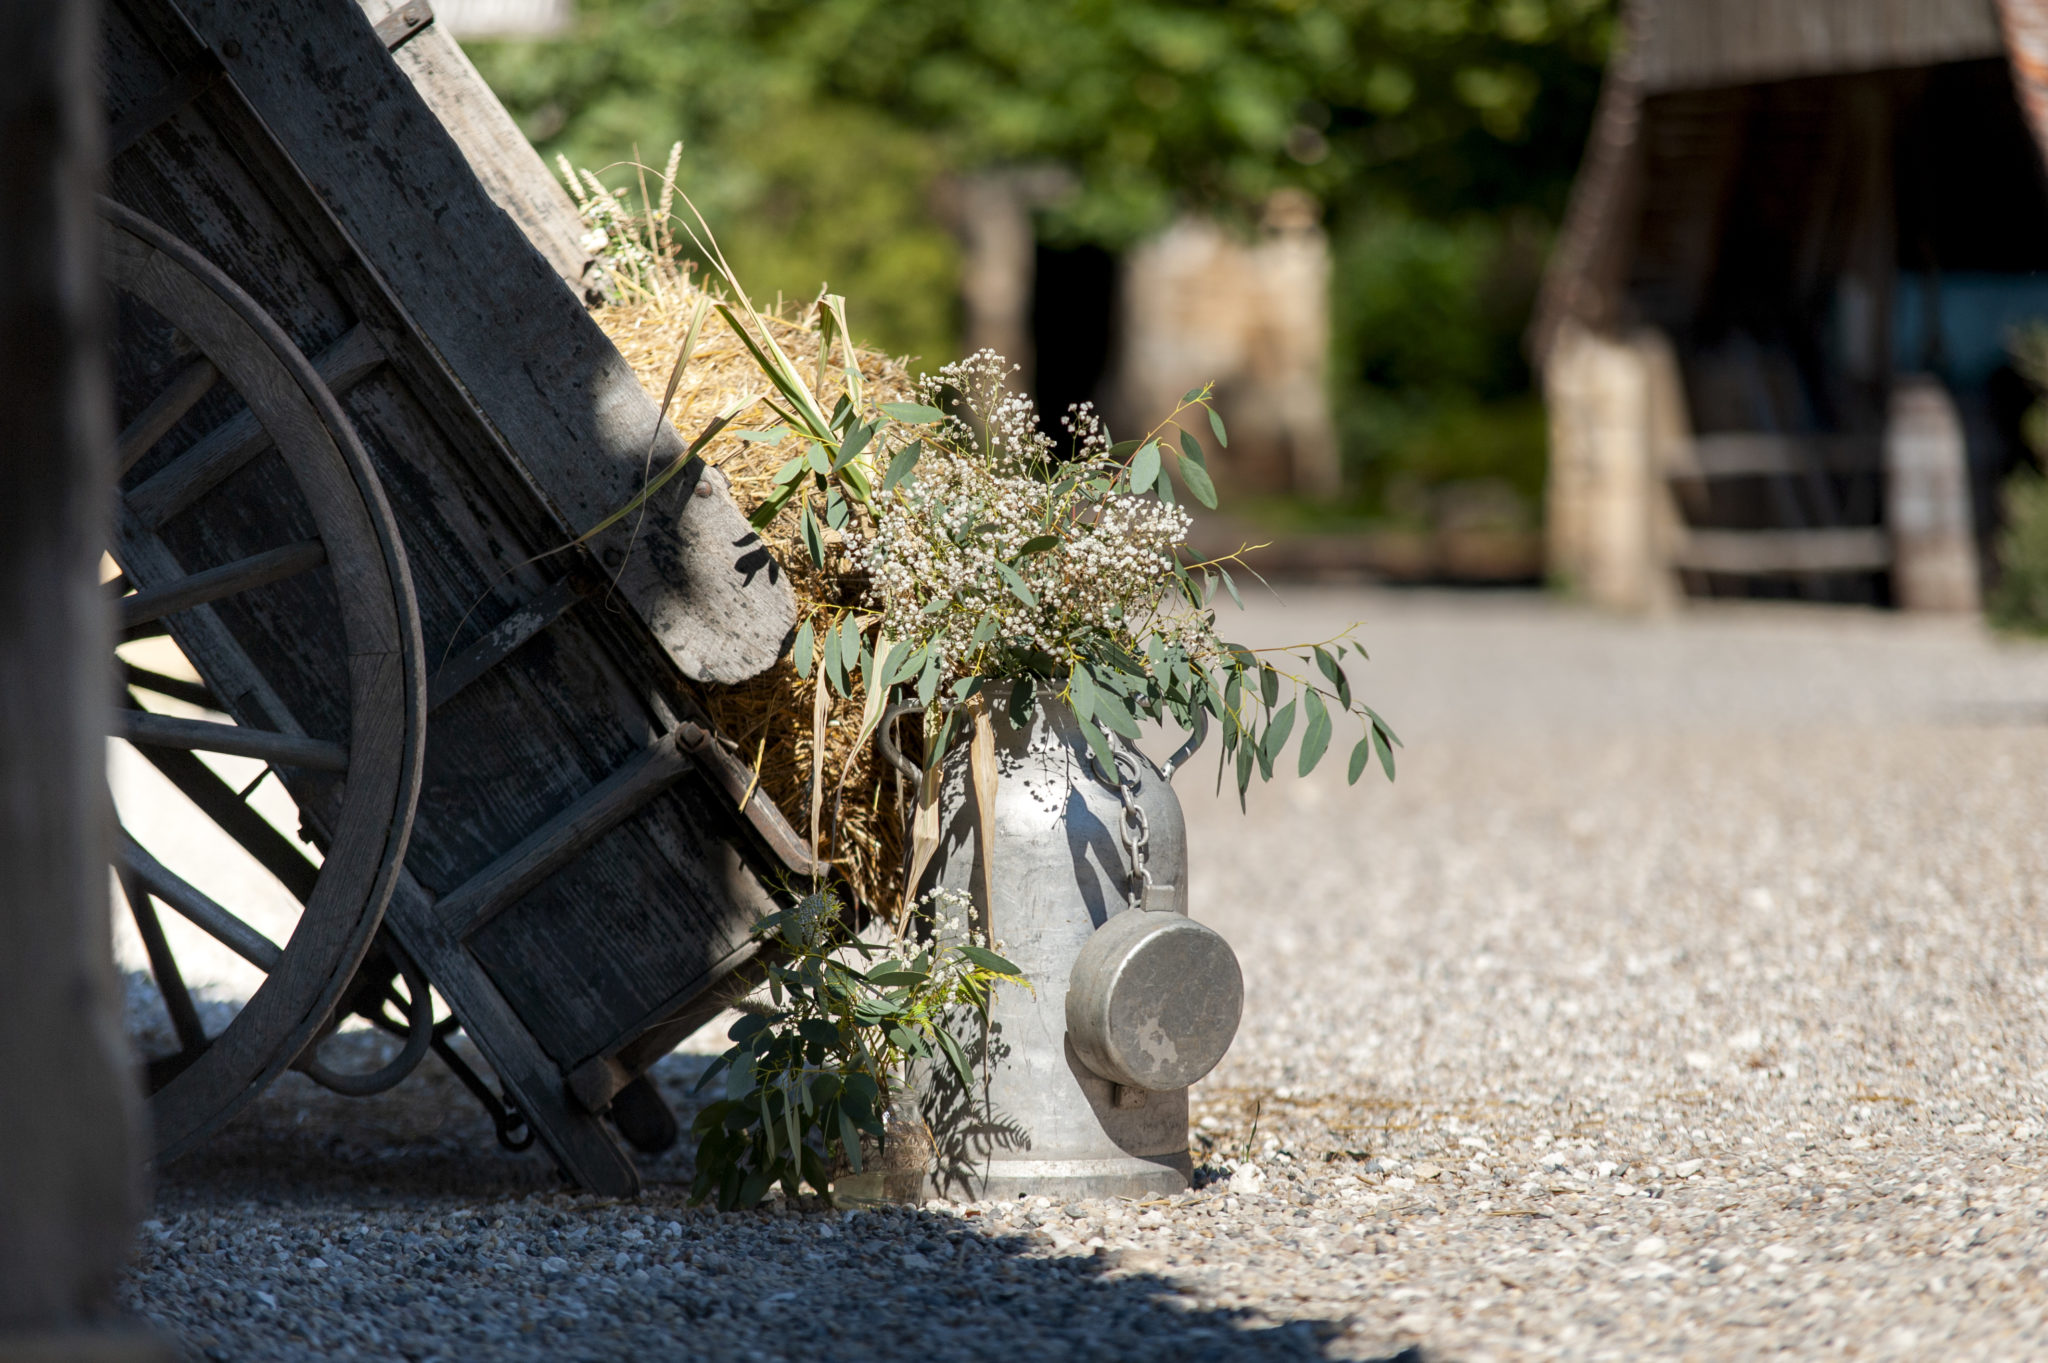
{"x":504,"y":639}
{"x":1753,"y":552}
{"x":522,"y":346}
{"x":604,"y":807}
{"x":151,"y":111}
{"x":505,"y":163}
{"x":585,"y":1147}
{"x":636,"y":960}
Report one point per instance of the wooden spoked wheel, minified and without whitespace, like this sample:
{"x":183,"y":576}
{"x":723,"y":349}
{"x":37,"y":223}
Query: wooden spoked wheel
{"x":331,"y":698}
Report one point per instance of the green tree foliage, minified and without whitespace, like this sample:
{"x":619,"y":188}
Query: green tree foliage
{"x":819,"y":134}
{"x":1427,"y":325}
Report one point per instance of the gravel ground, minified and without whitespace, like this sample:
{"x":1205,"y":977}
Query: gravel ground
{"x":1683,"y":999}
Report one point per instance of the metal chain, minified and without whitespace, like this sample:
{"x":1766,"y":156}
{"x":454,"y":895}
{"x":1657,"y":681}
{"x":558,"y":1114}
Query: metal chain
{"x":1137,"y":833}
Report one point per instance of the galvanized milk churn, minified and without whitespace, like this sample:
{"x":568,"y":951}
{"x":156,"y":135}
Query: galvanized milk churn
{"x":1083,"y":1077}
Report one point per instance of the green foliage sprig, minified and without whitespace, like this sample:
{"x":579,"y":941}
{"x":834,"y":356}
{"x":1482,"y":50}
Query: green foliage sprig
{"x":994,"y":556}
{"x":805,"y":1079}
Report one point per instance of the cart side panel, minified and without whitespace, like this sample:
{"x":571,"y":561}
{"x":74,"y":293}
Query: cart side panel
{"x":602,"y":946}
{"x":518,"y":339}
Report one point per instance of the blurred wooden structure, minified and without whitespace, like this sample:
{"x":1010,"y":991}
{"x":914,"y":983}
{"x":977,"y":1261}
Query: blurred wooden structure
{"x":70,"y":1119}
{"x":1772,"y":335}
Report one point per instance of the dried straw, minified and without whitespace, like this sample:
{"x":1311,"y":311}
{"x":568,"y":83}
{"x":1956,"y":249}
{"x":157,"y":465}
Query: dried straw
{"x":770,"y":717}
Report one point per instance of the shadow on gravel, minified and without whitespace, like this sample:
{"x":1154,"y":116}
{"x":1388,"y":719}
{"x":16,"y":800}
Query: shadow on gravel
{"x":430,"y":1214}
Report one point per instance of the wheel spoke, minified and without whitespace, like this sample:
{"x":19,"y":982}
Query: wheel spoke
{"x":177,"y":688}
{"x":209,"y":917}
{"x":240,"y":438}
{"x":217,"y":799}
{"x":163,"y":965}
{"x":144,"y":729}
{"x":165,"y":410}
{"x":246,"y":574}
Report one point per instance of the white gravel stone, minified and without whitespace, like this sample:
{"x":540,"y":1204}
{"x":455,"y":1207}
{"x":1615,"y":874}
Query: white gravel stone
{"x":1687,"y":997}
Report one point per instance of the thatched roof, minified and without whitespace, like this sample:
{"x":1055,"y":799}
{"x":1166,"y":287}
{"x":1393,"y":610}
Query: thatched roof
{"x":1675,"y":45}
{"x":1696,"y":44}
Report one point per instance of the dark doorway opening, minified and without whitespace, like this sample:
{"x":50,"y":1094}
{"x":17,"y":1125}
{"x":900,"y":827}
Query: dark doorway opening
{"x":1073,"y":324}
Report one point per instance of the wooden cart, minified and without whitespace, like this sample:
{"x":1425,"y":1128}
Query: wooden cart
{"x":361,"y":415}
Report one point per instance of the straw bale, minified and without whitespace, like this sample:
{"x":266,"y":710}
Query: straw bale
{"x":769,"y":718}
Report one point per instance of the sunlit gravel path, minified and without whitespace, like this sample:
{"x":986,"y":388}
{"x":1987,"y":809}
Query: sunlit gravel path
{"x":1684,"y":998}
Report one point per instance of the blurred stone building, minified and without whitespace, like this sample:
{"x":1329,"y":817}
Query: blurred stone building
{"x":1253,"y":316}
{"x":1197,"y":303}
{"x":1774,"y":335}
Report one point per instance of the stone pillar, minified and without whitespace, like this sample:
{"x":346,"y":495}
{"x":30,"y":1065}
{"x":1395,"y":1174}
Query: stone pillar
{"x":70,"y":1143}
{"x":1617,"y":418}
{"x":1927,"y":499}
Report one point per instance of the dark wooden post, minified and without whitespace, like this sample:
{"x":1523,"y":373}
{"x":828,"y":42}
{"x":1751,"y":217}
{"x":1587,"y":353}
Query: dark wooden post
{"x":70,"y":1143}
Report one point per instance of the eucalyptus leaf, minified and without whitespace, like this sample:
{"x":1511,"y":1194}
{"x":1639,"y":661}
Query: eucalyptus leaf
{"x":1360,"y":755}
{"x":900,"y":467}
{"x":850,"y":448}
{"x":835,"y":666}
{"x":813,"y":537}
{"x":1145,"y":466}
{"x":1315,"y":734}
{"x":1016,"y":585}
{"x":1197,"y":478}
{"x":955,"y":1057}
{"x":849,"y":1139}
{"x":800,"y":652}
{"x":1277,"y":731}
{"x":989,"y":961}
{"x":1230,"y":585}
{"x":1334,"y":671}
{"x":1081,"y":692}
{"x":1105,"y":757}
{"x":1022,"y":693}
{"x":1216,"y":425}
{"x":1112,"y":715}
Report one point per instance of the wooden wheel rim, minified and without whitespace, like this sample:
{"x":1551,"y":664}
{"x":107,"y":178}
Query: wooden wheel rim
{"x":387,"y":689}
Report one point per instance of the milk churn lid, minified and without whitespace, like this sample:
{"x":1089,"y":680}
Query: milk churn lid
{"x":1154,"y":1000}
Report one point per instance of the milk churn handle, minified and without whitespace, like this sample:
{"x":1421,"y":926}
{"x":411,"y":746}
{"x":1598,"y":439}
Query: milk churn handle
{"x":1187,"y":749}
{"x":885,"y":738}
